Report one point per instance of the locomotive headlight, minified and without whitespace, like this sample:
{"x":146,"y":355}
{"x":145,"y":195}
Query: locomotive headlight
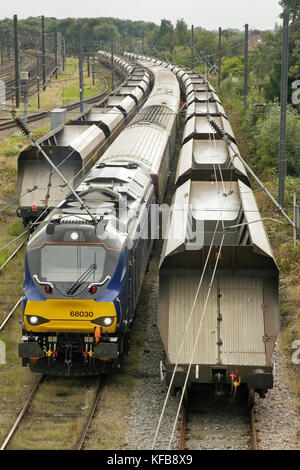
{"x":104,"y":321}
{"x":74,"y":235}
{"x":35,"y":320}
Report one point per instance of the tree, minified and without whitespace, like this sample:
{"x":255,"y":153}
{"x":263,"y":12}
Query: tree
{"x":205,"y":42}
{"x":102,"y":32}
{"x":293,"y":6}
{"x":266,"y":136}
{"x":181,"y":33}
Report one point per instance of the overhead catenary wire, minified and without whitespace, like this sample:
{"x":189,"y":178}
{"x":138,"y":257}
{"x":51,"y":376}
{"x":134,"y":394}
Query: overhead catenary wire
{"x":27,"y":132}
{"x":184,"y":335}
{"x":65,"y":181}
{"x":190,"y":317}
{"x":25,"y":231}
{"x":11,"y":312}
{"x":104,"y":143}
{"x":13,"y":254}
{"x":36,"y":187}
{"x":236,"y":154}
{"x":196,"y":342}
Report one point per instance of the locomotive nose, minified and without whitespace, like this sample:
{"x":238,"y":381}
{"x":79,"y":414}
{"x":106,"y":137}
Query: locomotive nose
{"x":70,"y":316}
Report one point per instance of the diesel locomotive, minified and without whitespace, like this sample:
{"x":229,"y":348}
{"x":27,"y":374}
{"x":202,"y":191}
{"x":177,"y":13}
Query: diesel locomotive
{"x":84,"y":271}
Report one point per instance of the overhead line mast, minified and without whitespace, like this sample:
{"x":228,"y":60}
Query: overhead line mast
{"x":283,"y":107}
{"x":24,"y":128}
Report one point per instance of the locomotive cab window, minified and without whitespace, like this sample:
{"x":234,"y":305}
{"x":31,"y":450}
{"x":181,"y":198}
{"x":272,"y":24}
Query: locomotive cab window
{"x":66,"y":263}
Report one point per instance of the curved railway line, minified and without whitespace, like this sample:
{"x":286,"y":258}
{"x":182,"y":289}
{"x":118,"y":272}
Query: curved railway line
{"x":99,"y":97}
{"x":28,"y":61}
{"x":33,"y":67}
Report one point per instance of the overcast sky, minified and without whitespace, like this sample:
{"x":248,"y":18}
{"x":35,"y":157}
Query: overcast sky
{"x":209,"y":14}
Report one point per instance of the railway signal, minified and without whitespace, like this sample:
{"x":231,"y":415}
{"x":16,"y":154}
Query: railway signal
{"x":24,"y":80}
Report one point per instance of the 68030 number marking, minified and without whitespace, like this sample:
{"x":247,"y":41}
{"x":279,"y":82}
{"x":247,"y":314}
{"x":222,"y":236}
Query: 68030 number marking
{"x":81,"y":313}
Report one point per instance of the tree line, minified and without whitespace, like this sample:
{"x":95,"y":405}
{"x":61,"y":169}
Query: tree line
{"x":127,"y":34}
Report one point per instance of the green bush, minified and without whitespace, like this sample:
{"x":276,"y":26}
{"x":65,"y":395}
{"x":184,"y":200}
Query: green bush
{"x":232,"y":89}
{"x":264,"y":133}
{"x":16,"y":228}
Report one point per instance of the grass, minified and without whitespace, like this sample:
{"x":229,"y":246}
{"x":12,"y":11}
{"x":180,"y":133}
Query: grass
{"x":64,"y":396}
{"x":65,"y":89}
{"x":15,"y":381}
{"x":60,"y":91}
{"x":16,"y":228}
{"x":56,"y":416}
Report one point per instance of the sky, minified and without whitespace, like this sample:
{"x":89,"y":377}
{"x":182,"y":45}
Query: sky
{"x":210,"y":14}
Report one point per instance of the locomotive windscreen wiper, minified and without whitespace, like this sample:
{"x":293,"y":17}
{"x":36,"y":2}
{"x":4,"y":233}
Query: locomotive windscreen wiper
{"x":92,"y":268}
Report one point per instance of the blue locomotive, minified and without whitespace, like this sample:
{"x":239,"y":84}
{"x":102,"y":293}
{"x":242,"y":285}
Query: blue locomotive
{"x":83,"y":274}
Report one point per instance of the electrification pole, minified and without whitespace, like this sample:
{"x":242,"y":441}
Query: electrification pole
{"x":93,"y":61}
{"x":43,"y":54}
{"x":143,"y":42}
{"x":283,"y":106}
{"x":296,"y":217}
{"x":246,"y":64}
{"x":192,"y":48}
{"x":80,"y":70}
{"x":219,"y":57}
{"x":112,"y":59}
{"x":55,"y":51}
{"x":64,"y":52}
{"x":38,"y":92}
{"x":16,"y":61}
{"x":171,"y":43}
{"x":87,"y":49}
{"x":1,"y":41}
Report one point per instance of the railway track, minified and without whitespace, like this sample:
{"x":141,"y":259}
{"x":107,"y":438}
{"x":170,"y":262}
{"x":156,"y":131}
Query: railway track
{"x":34,"y":70}
{"x":13,"y":254}
{"x":99,"y":97}
{"x":10,"y":313}
{"x":212,"y":423}
{"x":80,"y":445}
{"x":28,"y":61}
{"x":43,"y":114}
{"x":21,"y":414}
{"x":58,"y":412}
